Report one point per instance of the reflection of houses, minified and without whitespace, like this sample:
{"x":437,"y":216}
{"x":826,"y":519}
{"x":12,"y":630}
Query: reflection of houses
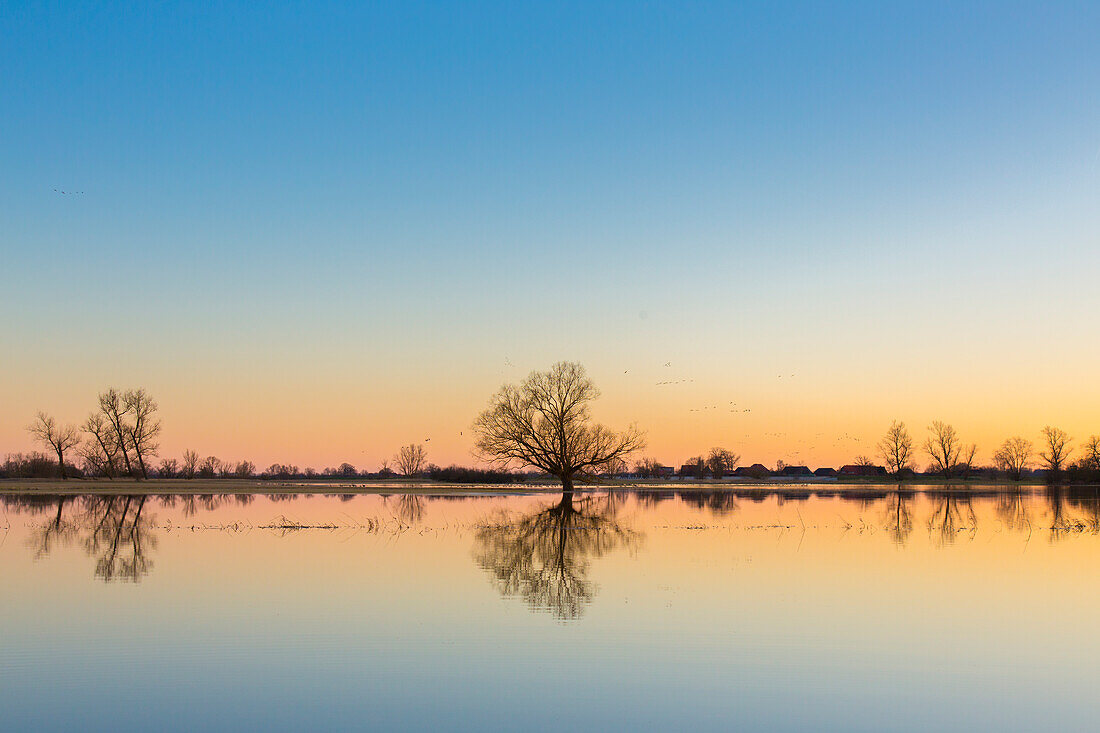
{"x":852,"y":470}
{"x":795,"y":472}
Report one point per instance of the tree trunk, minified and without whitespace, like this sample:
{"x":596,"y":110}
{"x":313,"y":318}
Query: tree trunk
{"x":61,"y":463}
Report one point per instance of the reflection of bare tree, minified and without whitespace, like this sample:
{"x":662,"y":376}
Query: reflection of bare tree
{"x":954,"y":512}
{"x":409,"y":508}
{"x":898,"y":517}
{"x":1013,"y":510}
{"x":120,"y":537}
{"x":1086,"y":499}
{"x":57,"y":530}
{"x":544,"y":557}
{"x":1056,"y":497}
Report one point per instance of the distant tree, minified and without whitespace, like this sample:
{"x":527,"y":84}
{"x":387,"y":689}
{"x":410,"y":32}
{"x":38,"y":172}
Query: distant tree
{"x":615,"y":468}
{"x":190,"y":463}
{"x":411,"y":459}
{"x":647,"y":468}
{"x":143,"y":428}
{"x":545,"y":423}
{"x":864,"y":461}
{"x":780,"y":465}
{"x":60,"y":438}
{"x":346,"y":470}
{"x":209,"y":467}
{"x":943,"y":447}
{"x":1091,"y":459}
{"x":721,"y":461}
{"x":1057,"y":449}
{"x":168,"y":468}
{"x":1013,"y":457}
{"x":244,"y":469}
{"x":896,"y":448}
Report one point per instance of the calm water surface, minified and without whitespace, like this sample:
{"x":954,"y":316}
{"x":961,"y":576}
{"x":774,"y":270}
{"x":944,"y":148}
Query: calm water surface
{"x":664,"y":610}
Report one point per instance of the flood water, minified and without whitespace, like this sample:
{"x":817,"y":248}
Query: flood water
{"x":781,"y":610}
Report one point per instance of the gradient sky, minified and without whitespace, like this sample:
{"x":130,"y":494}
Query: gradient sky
{"x":316,"y":232}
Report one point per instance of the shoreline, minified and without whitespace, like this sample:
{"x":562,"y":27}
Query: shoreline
{"x":375,"y":487}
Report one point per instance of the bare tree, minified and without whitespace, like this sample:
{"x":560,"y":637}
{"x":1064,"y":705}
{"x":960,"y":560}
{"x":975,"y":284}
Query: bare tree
{"x":168,"y":468}
{"x":113,"y":407}
{"x":209,"y":467}
{"x":143,"y":430}
{"x":545,"y":423}
{"x":1057,"y":449}
{"x":1091,"y":458}
{"x":943,"y":447}
{"x":896,"y":448}
{"x":966,"y":462}
{"x":410,"y":459}
{"x":101,"y":449}
{"x":1013,"y":457}
{"x":245,"y":469}
{"x":190,"y":464}
{"x":60,"y":438}
{"x":721,"y":461}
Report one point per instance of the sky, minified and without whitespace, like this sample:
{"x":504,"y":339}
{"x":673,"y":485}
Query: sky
{"x":317,"y":232}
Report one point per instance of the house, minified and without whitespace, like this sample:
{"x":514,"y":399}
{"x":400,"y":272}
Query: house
{"x":852,"y":470}
{"x":756,"y":470}
{"x":825,"y":473}
{"x":795,"y":472}
{"x":691,"y":470}
{"x":665,"y":472}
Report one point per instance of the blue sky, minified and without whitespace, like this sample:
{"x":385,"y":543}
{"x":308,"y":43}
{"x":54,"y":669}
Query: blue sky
{"x":460,"y":183}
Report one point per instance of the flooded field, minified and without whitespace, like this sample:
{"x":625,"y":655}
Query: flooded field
{"x":770,"y":609}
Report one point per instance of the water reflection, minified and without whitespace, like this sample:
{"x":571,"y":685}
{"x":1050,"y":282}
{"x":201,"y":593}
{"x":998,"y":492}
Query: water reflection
{"x":544,"y":556}
{"x":115,"y":530}
{"x":898,"y":517}
{"x":953,"y":514}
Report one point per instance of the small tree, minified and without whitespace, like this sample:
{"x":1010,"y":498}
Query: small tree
{"x":896,"y":448}
{"x":721,"y":461}
{"x":190,"y":464}
{"x":1091,"y":459}
{"x":169,"y":467}
{"x":411,"y":459}
{"x":60,"y":438}
{"x":1013,"y":457}
{"x":209,"y":467}
{"x":943,"y":447}
{"x":1057,"y":449}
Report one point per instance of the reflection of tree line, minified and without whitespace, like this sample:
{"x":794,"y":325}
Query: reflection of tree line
{"x":544,"y":555}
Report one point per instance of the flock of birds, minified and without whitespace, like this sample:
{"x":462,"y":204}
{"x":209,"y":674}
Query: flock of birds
{"x":68,"y":193}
